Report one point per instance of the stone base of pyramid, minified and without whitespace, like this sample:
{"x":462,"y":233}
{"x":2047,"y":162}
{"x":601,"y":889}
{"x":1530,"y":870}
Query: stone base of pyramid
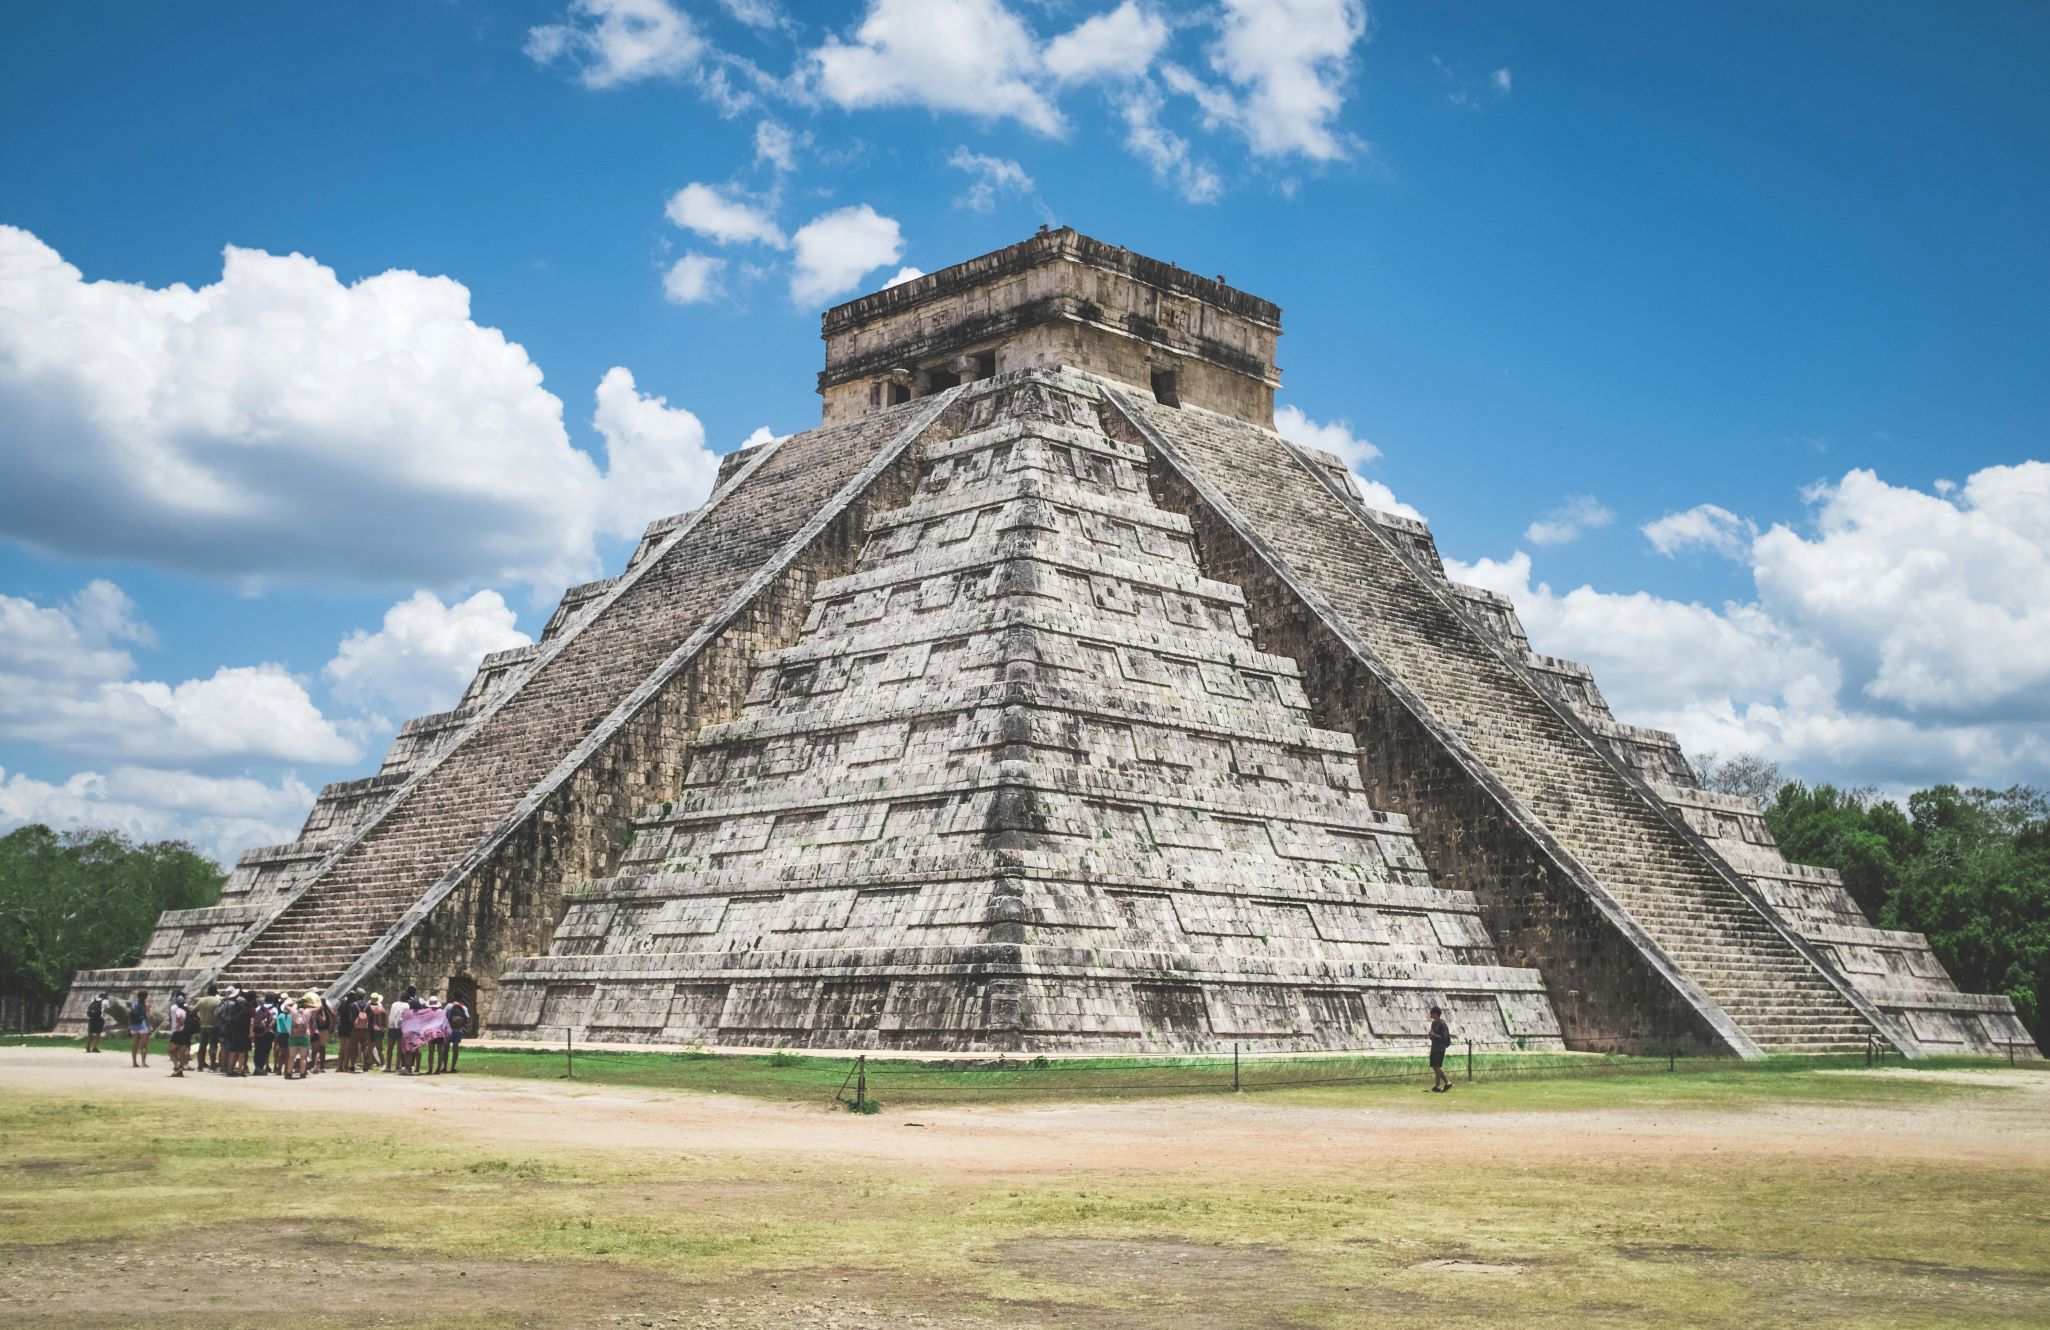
{"x":1015,"y":999}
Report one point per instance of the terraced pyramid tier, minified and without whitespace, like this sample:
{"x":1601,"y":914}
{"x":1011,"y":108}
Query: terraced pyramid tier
{"x":1024,"y":782}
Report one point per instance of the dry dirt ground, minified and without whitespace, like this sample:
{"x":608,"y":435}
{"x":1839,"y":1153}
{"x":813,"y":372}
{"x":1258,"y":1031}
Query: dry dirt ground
{"x":1180,"y":1212}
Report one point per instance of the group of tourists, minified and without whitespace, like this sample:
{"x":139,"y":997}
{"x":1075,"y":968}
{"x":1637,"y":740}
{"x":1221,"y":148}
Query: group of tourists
{"x":238,"y":1033}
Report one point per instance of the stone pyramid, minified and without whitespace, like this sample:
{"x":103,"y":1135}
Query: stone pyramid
{"x":1045,"y":697}
{"x":1024,"y":781}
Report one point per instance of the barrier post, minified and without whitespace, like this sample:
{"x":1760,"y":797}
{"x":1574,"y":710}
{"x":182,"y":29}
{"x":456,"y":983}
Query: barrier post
{"x":1235,"y":1068}
{"x":860,"y":1079}
{"x":1469,"y":1059}
{"x":569,"y":1052}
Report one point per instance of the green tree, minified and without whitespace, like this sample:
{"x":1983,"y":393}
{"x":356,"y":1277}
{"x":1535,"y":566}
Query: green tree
{"x":85,"y":900}
{"x":1862,"y":837}
{"x":1970,"y":869}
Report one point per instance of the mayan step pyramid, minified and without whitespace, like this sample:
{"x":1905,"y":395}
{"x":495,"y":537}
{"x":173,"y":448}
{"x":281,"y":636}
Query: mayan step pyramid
{"x":1046,"y":699}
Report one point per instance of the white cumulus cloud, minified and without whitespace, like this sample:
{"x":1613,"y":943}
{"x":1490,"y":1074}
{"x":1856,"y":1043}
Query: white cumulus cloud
{"x":1896,"y":638}
{"x":1939,"y":606}
{"x":66,"y":684}
{"x":969,"y":56}
{"x":1285,"y":66}
{"x":279,"y":424}
{"x":612,"y":42}
{"x":655,"y":455}
{"x":220,"y":816}
{"x":1704,"y":526}
{"x":424,"y":653}
{"x":1120,"y":44}
{"x":693,"y":279}
{"x":719,"y":216}
{"x":833,"y":252}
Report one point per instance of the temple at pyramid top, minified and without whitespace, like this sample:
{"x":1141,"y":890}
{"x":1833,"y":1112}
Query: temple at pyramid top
{"x":1057,"y":299}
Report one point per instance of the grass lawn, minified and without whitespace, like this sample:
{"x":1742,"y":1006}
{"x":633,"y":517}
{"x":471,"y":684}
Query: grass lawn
{"x":416,"y":1225}
{"x":1513,"y":1080}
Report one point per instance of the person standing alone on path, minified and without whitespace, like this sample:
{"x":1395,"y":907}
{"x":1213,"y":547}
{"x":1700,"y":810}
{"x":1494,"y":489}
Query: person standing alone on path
{"x":1441,"y":1039}
{"x":95,"y":1022}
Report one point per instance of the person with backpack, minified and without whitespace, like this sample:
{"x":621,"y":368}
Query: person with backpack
{"x":138,"y":1030}
{"x":458,"y":1027}
{"x":182,"y":1025}
{"x":352,"y":1023}
{"x":263,"y":1030}
{"x":231,"y":1021}
{"x":95,"y":1022}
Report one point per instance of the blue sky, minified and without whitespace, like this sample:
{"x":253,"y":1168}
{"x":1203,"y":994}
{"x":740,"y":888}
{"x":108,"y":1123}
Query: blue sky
{"x":1712,"y":334}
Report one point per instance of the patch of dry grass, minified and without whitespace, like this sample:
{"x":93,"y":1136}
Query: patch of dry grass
{"x":1744,"y":1241}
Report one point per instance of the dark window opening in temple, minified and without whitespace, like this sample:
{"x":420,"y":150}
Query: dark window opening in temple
{"x":900,"y":393}
{"x":985,"y":364}
{"x":1164,"y":388}
{"x":939,"y":380}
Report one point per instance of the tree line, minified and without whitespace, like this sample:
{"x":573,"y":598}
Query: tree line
{"x":84,"y":900}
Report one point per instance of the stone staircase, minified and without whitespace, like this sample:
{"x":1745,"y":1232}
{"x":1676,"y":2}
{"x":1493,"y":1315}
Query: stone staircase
{"x":1552,"y":773}
{"x":441,"y":830}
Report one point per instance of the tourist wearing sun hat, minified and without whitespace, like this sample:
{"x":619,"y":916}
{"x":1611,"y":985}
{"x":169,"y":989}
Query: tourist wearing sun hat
{"x":299,"y":1031}
{"x":373,"y":1047}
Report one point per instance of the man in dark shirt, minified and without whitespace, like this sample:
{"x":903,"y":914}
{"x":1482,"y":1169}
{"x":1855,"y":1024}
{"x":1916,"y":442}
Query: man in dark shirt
{"x":1441,"y":1039}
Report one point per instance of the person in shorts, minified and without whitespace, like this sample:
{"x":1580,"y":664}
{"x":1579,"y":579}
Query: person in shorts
{"x":263,"y":1031}
{"x":1441,"y":1039}
{"x":183,"y":1026}
{"x":373,"y":1045}
{"x":95,"y":1022}
{"x":458,"y":1029}
{"x":393,"y":1034}
{"x":138,"y":1029}
{"x":323,"y":1025}
{"x":281,"y":1022}
{"x":208,"y":1012}
{"x":235,"y":1032}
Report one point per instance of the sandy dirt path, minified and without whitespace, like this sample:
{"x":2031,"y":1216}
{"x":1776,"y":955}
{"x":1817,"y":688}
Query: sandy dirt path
{"x":1180,"y":1134}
